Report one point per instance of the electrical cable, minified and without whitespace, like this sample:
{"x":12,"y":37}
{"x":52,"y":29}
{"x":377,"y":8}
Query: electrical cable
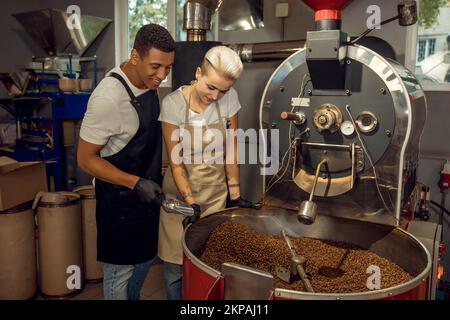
{"x":347,"y":107}
{"x":288,"y":152}
{"x":365,"y":33}
{"x":440,"y":207}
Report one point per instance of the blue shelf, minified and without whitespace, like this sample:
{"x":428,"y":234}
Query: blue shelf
{"x":65,"y":107}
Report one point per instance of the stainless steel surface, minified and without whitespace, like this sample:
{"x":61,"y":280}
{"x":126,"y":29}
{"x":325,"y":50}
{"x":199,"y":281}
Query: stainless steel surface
{"x":177,"y":207}
{"x":327,"y":146}
{"x":258,"y":284}
{"x":308,"y":209}
{"x":241,"y":15}
{"x":366,"y":122}
{"x":212,"y":5}
{"x":252,"y":52}
{"x":377,"y":85}
{"x":53,"y":30}
{"x":430,"y":234}
{"x":316,"y":176}
{"x":389,"y":242}
{"x":307,"y":212}
{"x":196,"y":16}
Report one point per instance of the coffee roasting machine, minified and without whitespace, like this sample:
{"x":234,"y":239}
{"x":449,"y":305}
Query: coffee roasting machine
{"x":349,"y":122}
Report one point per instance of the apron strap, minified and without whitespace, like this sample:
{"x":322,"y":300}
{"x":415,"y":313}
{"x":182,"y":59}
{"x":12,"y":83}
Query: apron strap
{"x":219,"y":115}
{"x":134,"y":101}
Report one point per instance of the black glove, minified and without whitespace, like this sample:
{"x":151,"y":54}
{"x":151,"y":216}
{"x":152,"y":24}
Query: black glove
{"x":188,"y":220}
{"x":242,"y":203}
{"x":149,"y":192}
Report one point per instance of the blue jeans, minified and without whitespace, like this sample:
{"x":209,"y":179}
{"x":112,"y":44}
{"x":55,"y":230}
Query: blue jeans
{"x":124,"y":282}
{"x":173,"y":275}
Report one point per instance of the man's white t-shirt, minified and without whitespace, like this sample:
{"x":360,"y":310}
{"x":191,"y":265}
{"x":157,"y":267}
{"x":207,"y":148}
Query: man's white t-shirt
{"x":110,"y":119}
{"x":173,"y":109}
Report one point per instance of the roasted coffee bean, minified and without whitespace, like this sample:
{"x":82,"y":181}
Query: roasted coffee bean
{"x":333,"y":267}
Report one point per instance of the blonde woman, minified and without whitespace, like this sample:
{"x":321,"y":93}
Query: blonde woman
{"x":209,"y":105}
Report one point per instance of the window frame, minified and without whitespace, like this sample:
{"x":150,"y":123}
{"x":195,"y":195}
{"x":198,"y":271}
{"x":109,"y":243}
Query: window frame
{"x":411,"y":56}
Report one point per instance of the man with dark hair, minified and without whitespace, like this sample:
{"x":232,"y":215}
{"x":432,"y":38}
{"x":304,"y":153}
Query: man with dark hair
{"x":120,"y":145}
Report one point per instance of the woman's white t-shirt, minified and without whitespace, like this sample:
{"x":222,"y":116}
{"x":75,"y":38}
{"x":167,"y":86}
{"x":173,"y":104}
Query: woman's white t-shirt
{"x":173,"y":109}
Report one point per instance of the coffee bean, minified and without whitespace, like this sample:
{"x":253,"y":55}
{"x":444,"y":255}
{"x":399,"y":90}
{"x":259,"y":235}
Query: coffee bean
{"x":334,"y":267}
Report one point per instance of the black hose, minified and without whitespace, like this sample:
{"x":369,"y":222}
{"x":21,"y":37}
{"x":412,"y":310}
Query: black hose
{"x":440,"y":207}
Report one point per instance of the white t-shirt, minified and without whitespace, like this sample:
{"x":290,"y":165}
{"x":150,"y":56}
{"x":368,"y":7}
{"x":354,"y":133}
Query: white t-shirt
{"x":173,"y":109}
{"x":110,"y":119}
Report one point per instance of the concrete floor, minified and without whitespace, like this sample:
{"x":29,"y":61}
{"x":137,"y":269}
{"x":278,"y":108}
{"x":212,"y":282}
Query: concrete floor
{"x":153,"y":288}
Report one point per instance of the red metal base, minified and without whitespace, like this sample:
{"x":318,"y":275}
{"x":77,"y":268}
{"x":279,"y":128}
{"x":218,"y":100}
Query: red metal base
{"x":199,"y":285}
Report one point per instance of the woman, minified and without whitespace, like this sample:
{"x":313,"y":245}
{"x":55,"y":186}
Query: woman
{"x":208,"y":106}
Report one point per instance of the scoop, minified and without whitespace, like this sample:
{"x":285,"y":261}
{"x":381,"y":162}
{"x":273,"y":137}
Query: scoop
{"x":177,"y":207}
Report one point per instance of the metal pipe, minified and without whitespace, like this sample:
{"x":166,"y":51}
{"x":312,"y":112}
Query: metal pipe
{"x":316,"y":177}
{"x":251,"y":52}
{"x":196,"y":35}
{"x":308,"y":209}
{"x":196,"y":21}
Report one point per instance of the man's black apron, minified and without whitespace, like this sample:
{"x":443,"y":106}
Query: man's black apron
{"x":127,"y":231}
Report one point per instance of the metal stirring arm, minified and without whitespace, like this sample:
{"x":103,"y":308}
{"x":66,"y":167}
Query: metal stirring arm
{"x":308,"y":209}
{"x":299,"y":261}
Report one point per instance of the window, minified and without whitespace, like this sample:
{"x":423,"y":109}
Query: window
{"x":425,"y":48}
{"x":141,"y":12}
{"x":432,"y":63}
{"x":421,"y":50}
{"x":431,"y":46}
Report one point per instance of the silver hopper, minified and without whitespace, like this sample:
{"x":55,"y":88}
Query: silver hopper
{"x":48,"y":28}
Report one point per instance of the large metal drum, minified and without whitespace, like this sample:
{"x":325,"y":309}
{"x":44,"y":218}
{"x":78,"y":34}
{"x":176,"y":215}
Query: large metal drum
{"x":93,"y":269}
{"x":17,"y":253}
{"x":60,"y":244}
{"x":200,"y":281}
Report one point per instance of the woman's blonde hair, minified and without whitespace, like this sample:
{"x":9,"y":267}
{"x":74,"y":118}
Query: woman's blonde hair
{"x":224,"y":61}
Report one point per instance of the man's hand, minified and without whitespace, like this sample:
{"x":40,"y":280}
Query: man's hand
{"x":188,"y":220}
{"x":149,"y":192}
{"x":242,"y":203}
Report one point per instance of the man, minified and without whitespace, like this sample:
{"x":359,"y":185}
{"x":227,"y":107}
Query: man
{"x":120,"y":145}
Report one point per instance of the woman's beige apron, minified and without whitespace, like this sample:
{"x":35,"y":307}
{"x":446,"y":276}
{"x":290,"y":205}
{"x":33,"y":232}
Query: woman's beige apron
{"x":209,"y":188}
